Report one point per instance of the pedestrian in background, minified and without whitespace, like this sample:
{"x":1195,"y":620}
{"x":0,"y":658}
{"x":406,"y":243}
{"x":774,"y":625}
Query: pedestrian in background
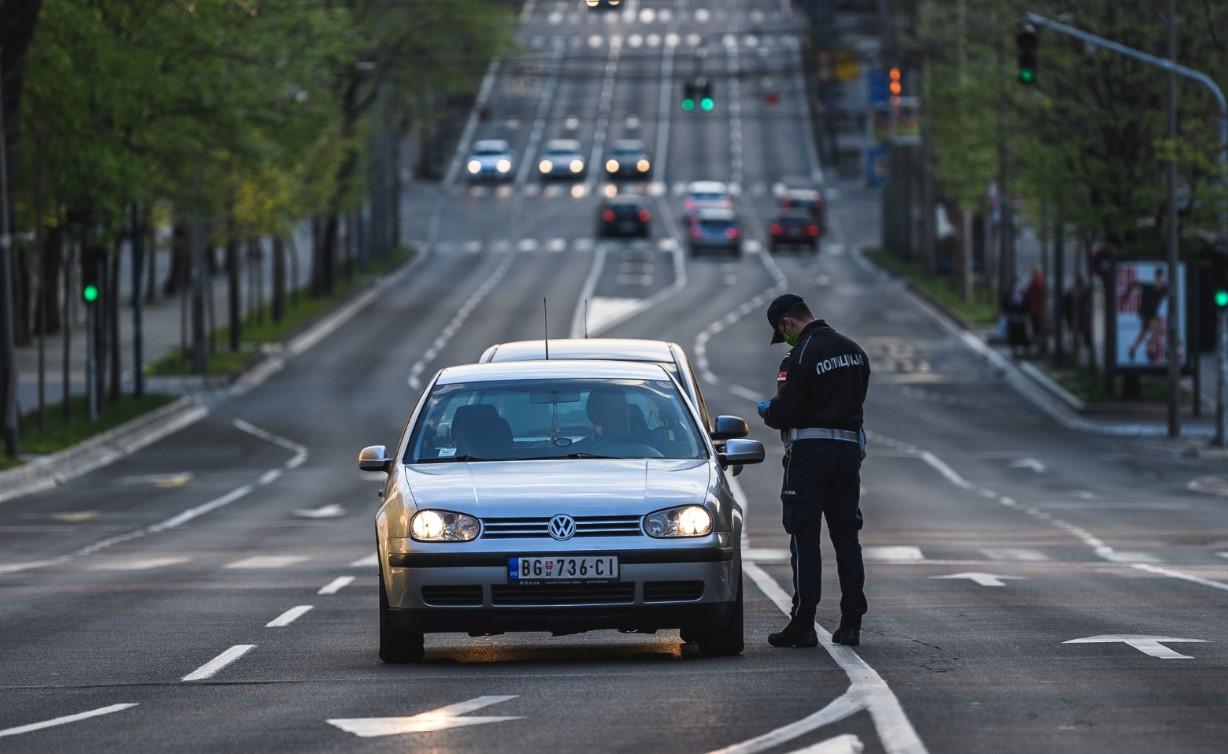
{"x":1015,"y":320}
{"x":822,"y":388}
{"x":1035,"y":295}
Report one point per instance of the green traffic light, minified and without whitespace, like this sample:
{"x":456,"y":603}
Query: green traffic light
{"x":1027,"y":75}
{"x":707,"y":103}
{"x":1221,"y":298}
{"x":89,"y":293}
{"x":688,"y":104}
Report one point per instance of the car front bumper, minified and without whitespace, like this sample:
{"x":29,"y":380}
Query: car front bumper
{"x":657,"y":589}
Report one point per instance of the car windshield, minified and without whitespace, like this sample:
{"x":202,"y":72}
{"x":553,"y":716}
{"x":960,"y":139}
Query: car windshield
{"x":489,"y":151}
{"x":554,"y":419}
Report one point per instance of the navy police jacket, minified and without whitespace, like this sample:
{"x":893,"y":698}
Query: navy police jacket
{"x":822,"y":382}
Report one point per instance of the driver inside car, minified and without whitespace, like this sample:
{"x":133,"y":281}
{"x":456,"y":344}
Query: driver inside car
{"x":610,"y":415}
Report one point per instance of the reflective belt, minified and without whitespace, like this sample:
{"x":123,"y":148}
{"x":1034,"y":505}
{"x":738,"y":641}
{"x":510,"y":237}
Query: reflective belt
{"x":822,"y":433}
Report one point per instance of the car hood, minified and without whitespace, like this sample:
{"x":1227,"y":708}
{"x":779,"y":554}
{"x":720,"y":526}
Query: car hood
{"x":490,"y":160}
{"x":545,"y":488}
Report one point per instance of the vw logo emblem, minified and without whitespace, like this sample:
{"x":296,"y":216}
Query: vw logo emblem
{"x":562,"y":527}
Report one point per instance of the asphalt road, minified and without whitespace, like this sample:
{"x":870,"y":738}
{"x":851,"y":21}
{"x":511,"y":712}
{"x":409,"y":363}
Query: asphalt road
{"x":217,"y":590}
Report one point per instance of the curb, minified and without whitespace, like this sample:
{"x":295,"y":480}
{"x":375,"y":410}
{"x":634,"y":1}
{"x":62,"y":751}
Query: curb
{"x":1036,"y":392}
{"x":55,"y":469}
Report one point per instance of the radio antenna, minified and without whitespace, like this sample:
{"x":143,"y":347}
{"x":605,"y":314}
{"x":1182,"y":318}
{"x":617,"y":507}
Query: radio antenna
{"x":586,"y":319}
{"x":546,"y":327}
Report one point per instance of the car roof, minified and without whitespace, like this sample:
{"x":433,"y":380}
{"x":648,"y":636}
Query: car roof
{"x":801,"y":193}
{"x":492,"y":144}
{"x":706,"y":187}
{"x":560,"y":144}
{"x":628,"y":144}
{"x":626,"y":199}
{"x":795,"y":214}
{"x":617,"y":349}
{"x":552,"y":369}
{"x":716,"y":213}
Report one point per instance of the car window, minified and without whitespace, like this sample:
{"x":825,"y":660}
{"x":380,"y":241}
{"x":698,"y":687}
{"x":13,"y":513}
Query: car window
{"x":554,"y":419}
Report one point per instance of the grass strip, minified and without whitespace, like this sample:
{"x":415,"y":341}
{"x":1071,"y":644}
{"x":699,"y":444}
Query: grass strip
{"x":941,"y":288}
{"x":59,"y":433}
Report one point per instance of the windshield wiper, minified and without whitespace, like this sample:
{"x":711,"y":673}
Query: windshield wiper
{"x":451,"y":459}
{"x":567,"y":456}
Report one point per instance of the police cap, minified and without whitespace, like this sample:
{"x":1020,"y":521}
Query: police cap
{"x":778,"y":309}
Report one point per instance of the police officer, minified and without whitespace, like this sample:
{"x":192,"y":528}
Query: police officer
{"x":818,"y":406}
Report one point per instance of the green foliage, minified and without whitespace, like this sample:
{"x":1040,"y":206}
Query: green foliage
{"x":1088,"y":138}
{"x":60,"y":433}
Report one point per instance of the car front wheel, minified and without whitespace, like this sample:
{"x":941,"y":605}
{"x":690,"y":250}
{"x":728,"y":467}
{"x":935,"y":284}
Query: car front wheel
{"x":726,"y":640}
{"x":397,"y":645}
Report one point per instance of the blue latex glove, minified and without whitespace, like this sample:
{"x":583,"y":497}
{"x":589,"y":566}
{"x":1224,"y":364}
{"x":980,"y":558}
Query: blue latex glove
{"x":763,"y":407}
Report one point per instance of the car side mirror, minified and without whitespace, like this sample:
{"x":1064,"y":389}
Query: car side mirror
{"x":739,"y":452}
{"x":730,"y":428}
{"x":374,"y":458}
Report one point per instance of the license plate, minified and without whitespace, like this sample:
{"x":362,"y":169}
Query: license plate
{"x":535,"y":569}
{"x":626,"y":226}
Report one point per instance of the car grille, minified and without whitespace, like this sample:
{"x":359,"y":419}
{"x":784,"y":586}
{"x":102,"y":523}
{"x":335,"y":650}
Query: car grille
{"x":452,"y":595}
{"x":673,"y":591}
{"x":563,"y":594}
{"x":586,"y":526}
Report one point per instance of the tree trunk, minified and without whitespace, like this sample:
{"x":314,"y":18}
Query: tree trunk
{"x":234,"y":308}
{"x":22,"y":298}
{"x":181,"y":263}
{"x":255,"y":250}
{"x":113,"y":321}
{"x":317,"y":256}
{"x":66,"y":319}
{"x":51,"y":251}
{"x":138,"y":325}
{"x":279,"y":278}
{"x":151,"y":257}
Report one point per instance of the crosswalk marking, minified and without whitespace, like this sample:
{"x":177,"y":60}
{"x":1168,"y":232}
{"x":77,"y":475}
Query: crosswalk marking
{"x":892,"y":554}
{"x":1014,"y":553}
{"x":260,"y":562}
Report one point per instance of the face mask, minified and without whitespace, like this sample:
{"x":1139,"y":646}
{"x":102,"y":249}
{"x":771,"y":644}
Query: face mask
{"x":792,"y":340}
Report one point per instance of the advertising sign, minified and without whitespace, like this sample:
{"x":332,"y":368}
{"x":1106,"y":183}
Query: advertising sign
{"x":1141,"y":315}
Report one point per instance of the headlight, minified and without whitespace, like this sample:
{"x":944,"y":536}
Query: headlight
{"x":545,"y":166}
{"x":577,"y":166}
{"x":642,"y":166}
{"x":503,"y":166}
{"x":443,"y":526}
{"x":611,"y":166}
{"x":475,"y":167}
{"x":684,"y":521}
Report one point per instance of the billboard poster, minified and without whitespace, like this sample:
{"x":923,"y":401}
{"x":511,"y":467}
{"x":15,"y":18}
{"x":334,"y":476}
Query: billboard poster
{"x":1141,"y":314}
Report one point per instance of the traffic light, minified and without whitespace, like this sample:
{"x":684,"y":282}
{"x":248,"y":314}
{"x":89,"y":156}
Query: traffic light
{"x":91,"y":265}
{"x":688,"y":95}
{"x":1027,"y":41}
{"x":1221,"y":298}
{"x":695,"y":92}
{"x":895,"y":84}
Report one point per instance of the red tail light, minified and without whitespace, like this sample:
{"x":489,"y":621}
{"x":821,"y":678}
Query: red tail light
{"x":813,"y":230}
{"x":732,"y":234}
{"x":776,"y":229}
{"x":608,"y":215}
{"x":689,"y":204}
{"x":695,"y":231}
{"x":645,"y":216}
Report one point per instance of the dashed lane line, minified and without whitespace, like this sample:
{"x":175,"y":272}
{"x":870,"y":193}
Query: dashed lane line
{"x":66,"y":719}
{"x":214,"y":666}
{"x":299,"y":451}
{"x":336,"y":585}
{"x":289,"y":616}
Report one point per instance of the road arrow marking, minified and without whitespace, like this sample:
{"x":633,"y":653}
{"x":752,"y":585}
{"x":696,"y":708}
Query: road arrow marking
{"x":1148,"y":645}
{"x":326,"y":511}
{"x":1029,"y":463}
{"x":984,"y":579}
{"x":437,"y":719}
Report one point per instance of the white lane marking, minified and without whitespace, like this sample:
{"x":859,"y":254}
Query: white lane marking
{"x":336,"y":585}
{"x":1029,"y":463}
{"x":1171,"y":573}
{"x":869,"y":691}
{"x":1209,"y":485}
{"x":299,"y":451}
{"x":893,"y":554}
{"x":846,"y":744}
{"x":289,"y":616}
{"x":745,"y":392}
{"x":665,"y":107}
{"x":471,"y":124}
{"x":270,"y":476}
{"x":800,"y":91}
{"x":1014,"y":554}
{"x":443,"y":718}
{"x":28,"y":565}
{"x":137,"y":564}
{"x":266,"y":562}
{"x":528,"y":159}
{"x":605,"y":99}
{"x":324,"y":511}
{"x":66,"y":719}
{"x":212,"y":667}
{"x":1148,"y":645}
{"x":845,"y":705}
{"x":366,"y":560}
{"x":942,"y":468}
{"x":579,"y":327}
{"x":766,"y":554}
{"x":982,"y":579}
{"x":458,"y":319}
{"x":75,"y":517}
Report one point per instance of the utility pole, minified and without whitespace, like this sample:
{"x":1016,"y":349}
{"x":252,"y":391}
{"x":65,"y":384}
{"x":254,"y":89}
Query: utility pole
{"x":8,"y":357}
{"x":1174,"y":315}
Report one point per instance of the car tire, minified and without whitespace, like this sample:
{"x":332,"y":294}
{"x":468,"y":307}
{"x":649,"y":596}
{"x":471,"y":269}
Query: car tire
{"x":727,"y":640}
{"x":397,"y":645}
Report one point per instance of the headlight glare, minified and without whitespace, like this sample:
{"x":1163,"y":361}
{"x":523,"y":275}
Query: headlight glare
{"x":577,"y":166}
{"x":683,"y":521}
{"x":545,"y":166}
{"x":503,"y":166}
{"x":475,"y":166}
{"x":642,"y":166}
{"x":443,"y":526}
{"x":611,"y":166}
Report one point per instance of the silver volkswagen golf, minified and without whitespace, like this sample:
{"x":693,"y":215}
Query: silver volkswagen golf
{"x":559,"y":496}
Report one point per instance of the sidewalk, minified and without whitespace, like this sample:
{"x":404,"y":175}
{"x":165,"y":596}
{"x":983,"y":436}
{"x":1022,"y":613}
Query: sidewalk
{"x":161,"y":323}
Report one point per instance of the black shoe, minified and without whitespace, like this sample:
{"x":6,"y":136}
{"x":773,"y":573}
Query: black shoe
{"x":799,"y":633}
{"x":849,"y":630}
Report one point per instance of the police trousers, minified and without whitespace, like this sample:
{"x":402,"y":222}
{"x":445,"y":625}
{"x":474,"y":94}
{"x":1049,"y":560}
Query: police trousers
{"x":823,"y":480}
